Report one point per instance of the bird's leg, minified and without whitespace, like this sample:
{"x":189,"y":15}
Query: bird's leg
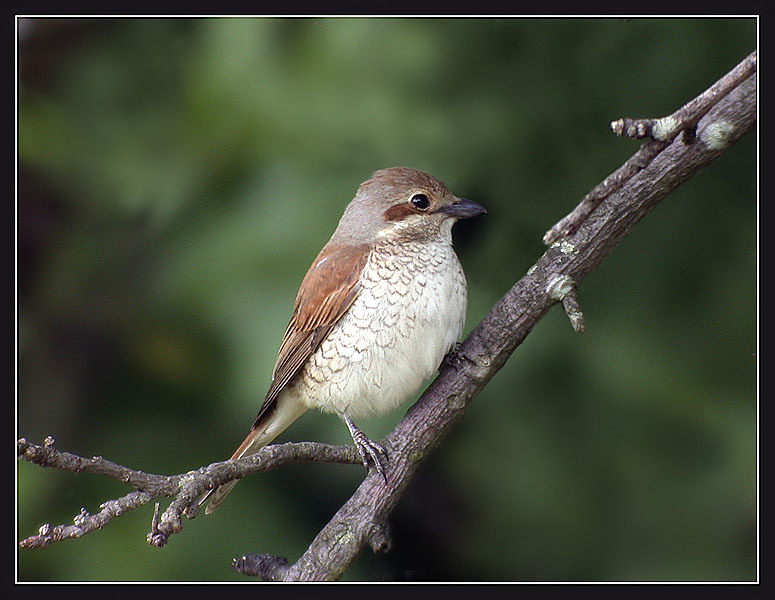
{"x":367,"y":447}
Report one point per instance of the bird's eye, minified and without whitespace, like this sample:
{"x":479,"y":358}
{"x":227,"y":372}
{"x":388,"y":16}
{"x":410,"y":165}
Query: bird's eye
{"x":420,"y":201}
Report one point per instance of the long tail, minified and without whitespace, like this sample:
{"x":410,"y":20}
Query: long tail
{"x":285,"y":411}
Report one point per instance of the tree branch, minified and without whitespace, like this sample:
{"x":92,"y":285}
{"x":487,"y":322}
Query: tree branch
{"x":490,"y":344}
{"x":579,"y":243}
{"x":662,"y":132}
{"x":184,"y":488}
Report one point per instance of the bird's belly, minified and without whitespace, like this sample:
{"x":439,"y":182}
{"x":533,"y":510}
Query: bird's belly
{"x":391,"y":340}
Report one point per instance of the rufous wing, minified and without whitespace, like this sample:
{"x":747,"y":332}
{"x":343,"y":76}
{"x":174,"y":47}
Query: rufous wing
{"x":326,"y":293}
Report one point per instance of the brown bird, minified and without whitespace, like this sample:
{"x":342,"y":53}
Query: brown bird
{"x":380,"y":307}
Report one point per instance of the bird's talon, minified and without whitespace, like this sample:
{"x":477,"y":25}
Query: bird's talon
{"x":369,"y":449}
{"x":451,"y":358}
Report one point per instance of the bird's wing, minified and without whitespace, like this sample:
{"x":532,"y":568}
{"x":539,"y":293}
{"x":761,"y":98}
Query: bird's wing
{"x":326,"y":293}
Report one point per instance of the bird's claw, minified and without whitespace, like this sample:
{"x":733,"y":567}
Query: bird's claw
{"x":451,"y":358}
{"x":368,"y":448}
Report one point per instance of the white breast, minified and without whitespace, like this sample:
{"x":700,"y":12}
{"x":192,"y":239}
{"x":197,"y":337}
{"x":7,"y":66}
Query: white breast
{"x":408,"y":314}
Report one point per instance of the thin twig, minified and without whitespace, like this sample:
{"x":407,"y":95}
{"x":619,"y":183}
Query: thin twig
{"x":686,"y":118}
{"x":662,"y":132}
{"x":563,"y":289}
{"x":84,"y":523}
{"x":184,"y":488}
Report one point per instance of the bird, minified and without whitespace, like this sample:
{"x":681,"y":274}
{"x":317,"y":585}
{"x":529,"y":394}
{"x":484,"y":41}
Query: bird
{"x":380,"y":307}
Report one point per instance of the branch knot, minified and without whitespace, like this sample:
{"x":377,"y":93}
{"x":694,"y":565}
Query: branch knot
{"x":378,"y":537}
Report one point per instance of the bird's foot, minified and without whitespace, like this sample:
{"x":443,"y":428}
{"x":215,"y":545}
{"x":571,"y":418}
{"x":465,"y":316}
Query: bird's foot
{"x":368,"y":448}
{"x":451,"y":358}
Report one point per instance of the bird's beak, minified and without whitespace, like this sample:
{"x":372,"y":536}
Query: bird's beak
{"x":463,"y":208}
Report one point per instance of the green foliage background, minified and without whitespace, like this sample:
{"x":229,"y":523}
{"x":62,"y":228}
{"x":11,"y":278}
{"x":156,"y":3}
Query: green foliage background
{"x":177,"y":177}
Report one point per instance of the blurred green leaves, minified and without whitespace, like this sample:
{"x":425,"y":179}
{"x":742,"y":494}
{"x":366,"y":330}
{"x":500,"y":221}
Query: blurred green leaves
{"x":177,"y":177}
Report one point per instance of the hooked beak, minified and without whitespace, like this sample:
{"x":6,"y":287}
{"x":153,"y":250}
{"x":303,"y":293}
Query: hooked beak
{"x":463,"y":208}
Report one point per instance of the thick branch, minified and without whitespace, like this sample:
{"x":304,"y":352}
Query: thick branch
{"x":490,"y":344}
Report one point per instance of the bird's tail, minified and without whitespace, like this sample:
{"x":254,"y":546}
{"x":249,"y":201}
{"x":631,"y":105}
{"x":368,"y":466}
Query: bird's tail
{"x":284,"y":412}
